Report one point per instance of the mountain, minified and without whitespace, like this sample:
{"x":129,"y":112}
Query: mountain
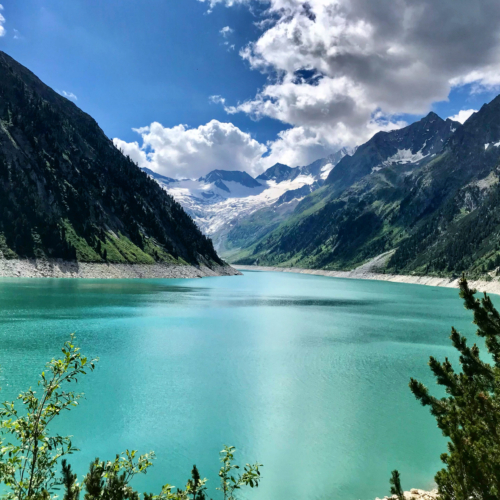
{"x":322,"y":168}
{"x":223,"y":201}
{"x":219,"y":176}
{"x":318,"y":169}
{"x":66,"y":192}
{"x":410,"y":145}
{"x":158,"y":177}
{"x":403,"y":150}
{"x":425,"y":197}
{"x":278,"y":173}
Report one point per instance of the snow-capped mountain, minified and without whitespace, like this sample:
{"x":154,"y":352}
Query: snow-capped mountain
{"x":407,"y":147}
{"x":223,"y":197}
{"x":232,"y":207}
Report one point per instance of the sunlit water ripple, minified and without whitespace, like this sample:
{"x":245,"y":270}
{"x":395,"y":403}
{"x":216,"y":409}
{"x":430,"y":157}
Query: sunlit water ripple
{"x":306,"y":374}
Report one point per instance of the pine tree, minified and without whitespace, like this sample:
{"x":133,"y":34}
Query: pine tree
{"x":71,"y":487}
{"x":196,"y":486}
{"x":470,"y":413}
{"x":396,"y":488}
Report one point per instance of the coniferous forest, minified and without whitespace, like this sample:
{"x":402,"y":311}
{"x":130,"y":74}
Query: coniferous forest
{"x":67,"y":192}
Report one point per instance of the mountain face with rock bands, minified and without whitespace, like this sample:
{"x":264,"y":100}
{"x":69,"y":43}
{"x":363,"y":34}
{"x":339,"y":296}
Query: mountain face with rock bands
{"x":66,"y":192}
{"x":425,"y":197}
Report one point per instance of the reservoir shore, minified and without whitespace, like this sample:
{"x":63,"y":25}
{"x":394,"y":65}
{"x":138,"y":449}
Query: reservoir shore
{"x":360,"y":274}
{"x":36,"y":268}
{"x":415,"y":494}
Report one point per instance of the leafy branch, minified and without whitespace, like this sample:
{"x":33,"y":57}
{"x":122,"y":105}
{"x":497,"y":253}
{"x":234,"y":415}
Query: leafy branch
{"x":28,"y":464}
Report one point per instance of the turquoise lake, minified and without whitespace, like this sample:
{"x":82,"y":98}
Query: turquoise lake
{"x":307,"y":375}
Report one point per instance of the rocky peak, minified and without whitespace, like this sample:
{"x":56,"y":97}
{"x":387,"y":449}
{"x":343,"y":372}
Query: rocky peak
{"x":277,"y":172}
{"x":410,"y":146}
{"x":218,"y":176}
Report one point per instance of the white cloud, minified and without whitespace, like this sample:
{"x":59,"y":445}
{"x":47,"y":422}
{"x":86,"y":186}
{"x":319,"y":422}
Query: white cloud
{"x":484,"y":79}
{"x":217,"y":99}
{"x":226,"y":31}
{"x":302,"y":145}
{"x":2,"y":22}
{"x":463,"y":115}
{"x":340,"y":70}
{"x":194,"y":152}
{"x":134,"y":151}
{"x":69,"y":95}
{"x":227,"y":3}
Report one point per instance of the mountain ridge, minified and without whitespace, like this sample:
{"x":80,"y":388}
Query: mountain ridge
{"x":219,"y":201}
{"x":67,"y":193}
{"x":424,"y":209}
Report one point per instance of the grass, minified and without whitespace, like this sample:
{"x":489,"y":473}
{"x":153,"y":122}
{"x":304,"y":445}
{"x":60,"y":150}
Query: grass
{"x":118,"y":250}
{"x":84,"y":252}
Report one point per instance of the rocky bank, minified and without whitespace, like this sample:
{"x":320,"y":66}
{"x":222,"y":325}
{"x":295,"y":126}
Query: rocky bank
{"x":492,"y":286}
{"x":415,"y":494}
{"x":33,"y":268}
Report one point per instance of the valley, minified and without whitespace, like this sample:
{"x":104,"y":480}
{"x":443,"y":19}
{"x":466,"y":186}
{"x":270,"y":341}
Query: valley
{"x":426,"y":193}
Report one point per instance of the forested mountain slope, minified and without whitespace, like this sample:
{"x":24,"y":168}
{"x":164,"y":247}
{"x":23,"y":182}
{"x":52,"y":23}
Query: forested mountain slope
{"x":433,"y":205}
{"x":67,"y":192}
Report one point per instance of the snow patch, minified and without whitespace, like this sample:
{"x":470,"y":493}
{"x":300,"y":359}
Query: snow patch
{"x":402,"y":157}
{"x":486,"y":146}
{"x":326,"y":169}
{"x":213,"y":208}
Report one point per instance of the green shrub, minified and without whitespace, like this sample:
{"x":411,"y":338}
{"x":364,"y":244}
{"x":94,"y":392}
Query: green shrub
{"x":29,"y":464}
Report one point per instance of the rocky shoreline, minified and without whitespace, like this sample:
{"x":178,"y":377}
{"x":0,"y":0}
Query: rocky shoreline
{"x":360,"y":274}
{"x":34,"y":268}
{"x":415,"y":494}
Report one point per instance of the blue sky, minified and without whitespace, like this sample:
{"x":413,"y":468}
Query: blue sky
{"x":131,"y":64}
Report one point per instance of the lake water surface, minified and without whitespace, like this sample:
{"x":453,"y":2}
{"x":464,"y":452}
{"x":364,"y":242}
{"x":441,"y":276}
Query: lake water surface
{"x":306,"y":374}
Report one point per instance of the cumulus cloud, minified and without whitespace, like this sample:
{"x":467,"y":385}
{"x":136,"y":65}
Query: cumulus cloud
{"x":2,"y":22}
{"x":181,"y":151}
{"x":463,"y":115}
{"x":301,"y":145}
{"x":134,"y":151}
{"x":340,"y":70}
{"x":68,"y":95}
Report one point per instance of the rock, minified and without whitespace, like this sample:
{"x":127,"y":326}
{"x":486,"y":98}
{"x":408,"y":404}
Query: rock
{"x":32,"y":268}
{"x":415,"y":494}
{"x":482,"y":286}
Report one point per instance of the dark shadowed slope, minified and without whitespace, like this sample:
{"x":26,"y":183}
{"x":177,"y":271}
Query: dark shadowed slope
{"x":67,"y":192}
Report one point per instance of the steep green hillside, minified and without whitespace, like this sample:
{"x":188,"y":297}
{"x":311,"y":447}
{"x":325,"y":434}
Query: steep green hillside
{"x":67,"y":192}
{"x":438,"y":215}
